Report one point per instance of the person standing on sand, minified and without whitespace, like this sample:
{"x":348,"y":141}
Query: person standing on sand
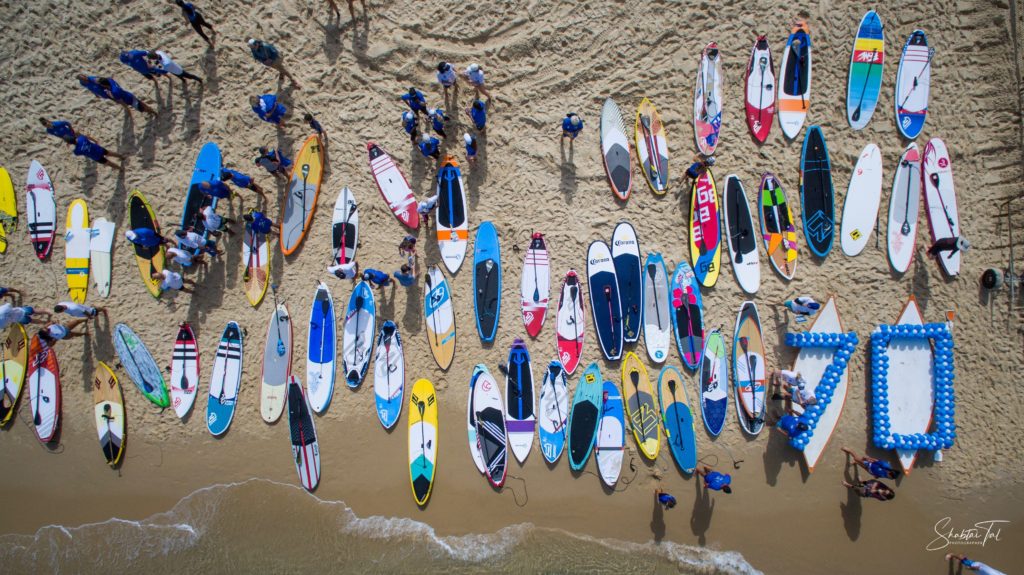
{"x":437,"y":120}
{"x":470,"y":147}
{"x":269,"y":109}
{"x":407,"y":248}
{"x":136,"y":60}
{"x":715,"y":480}
{"x":404,"y":276}
{"x":876,"y":467}
{"x":446,"y":76}
{"x":475,"y":75}
{"x":146,"y":238}
{"x":61,"y":128}
{"x":193,"y":241}
{"x":173,"y":281}
{"x":214,"y":222}
{"x":79,"y":310}
{"x":240,"y":180}
{"x":321,"y":134}
{"x":259,"y":223}
{"x":411,"y":126}
{"x":83,"y":146}
{"x":265,"y":53}
{"x":274,"y":162}
{"x":183,"y":258}
{"x":872,"y":488}
{"x":196,"y":19}
{"x":124,"y":97}
{"x":164,"y":64}
{"x":572,"y":125}
{"x":665,"y":499}
{"x":415,"y":100}
{"x":429,"y":147}
{"x":974,"y":565}
{"x":424,"y":208}
{"x":25,"y":315}
{"x":478,"y":113}
{"x":352,"y":8}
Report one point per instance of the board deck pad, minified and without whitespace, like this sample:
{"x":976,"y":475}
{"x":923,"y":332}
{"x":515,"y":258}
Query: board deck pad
{"x":303,"y":191}
{"x":584,"y":416}
{"x":760,"y":90}
{"x":604,"y":300}
{"x":618,"y":160}
{"x":487,"y":281}
{"x":740,"y":236}
{"x":817,"y":197}
{"x":794,"y":97}
{"x":626,"y":259}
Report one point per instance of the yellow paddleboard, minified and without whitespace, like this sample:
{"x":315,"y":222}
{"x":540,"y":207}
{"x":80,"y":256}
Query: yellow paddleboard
{"x":422,"y":440}
{"x":13,"y":362}
{"x":256,"y":259}
{"x":109,"y":412}
{"x":303,"y":191}
{"x":150,"y":260}
{"x":641,"y":407}
{"x":8,"y":209}
{"x":76,"y":250}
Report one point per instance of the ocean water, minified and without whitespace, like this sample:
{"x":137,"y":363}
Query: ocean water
{"x":259,"y":526}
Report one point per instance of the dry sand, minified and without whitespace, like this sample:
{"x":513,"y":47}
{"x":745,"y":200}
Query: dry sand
{"x":542,"y":59}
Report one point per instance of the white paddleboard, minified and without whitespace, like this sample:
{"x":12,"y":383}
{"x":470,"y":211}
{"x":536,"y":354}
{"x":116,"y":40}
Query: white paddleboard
{"x":277,"y":365}
{"x":345,"y":227}
{"x":707,"y":100}
{"x":357,"y":339}
{"x":41,"y":209}
{"x":741,"y":235}
{"x":794,"y":96}
{"x":452,"y":215}
{"x":76,"y":250}
{"x":389,"y":375}
{"x":535,"y":288}
{"x":811,"y":363}
{"x":860,"y":209}
{"x":101,"y":243}
{"x":903,"y":209}
{"x":184,"y":380}
{"x":940,"y":200}
{"x":910,"y":396}
{"x":657,"y":315}
{"x":554,"y":411}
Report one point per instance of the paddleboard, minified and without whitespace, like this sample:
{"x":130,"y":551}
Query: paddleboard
{"x":678,"y":419}
{"x":485,"y":416}
{"x":256,"y":255}
{"x":707,"y":100}
{"x":439,"y":318}
{"x":641,"y":407}
{"x":76,"y":250}
{"x":651,"y":147}
{"x":108,"y":410}
{"x":41,"y":209}
{"x":657,"y":314}
{"x":860,"y":209}
{"x":749,"y":369}
{"x":184,"y":371}
{"x":626,"y":259}
{"x":572,"y":326}
{"x":357,"y":340}
{"x":452,"y":215}
{"x":778,"y":228}
{"x":535,"y":287}
{"x":44,"y":389}
{"x":305,"y":448}
{"x":714,"y":379}
{"x":141,"y":368}
{"x":940,"y":201}
{"x":811,"y":363}
{"x":486,"y":281}
{"x":393,"y":186}
{"x":611,"y":434}
{"x":615,"y":152}
{"x":101,"y":243}
{"x":423,"y":436}
{"x":705,"y":232}
{"x":207,"y":169}
{"x":520,"y":401}
{"x":795,"y":88}
{"x":760,"y":91}
{"x":817,"y":196}
{"x":303,"y":191}
{"x":742,"y":240}
{"x":865,"y":80}
{"x":604,"y":300}
{"x":225,"y":380}
{"x":912,"y":401}
{"x":149,"y":260}
{"x":321,"y":345}
{"x":913,"y":83}
{"x":345,"y":227}
{"x":554,"y":411}
{"x":687,"y":315}
{"x":8,"y":209}
{"x":389,"y":375}
{"x":904,"y":204}
{"x":277,"y":364}
{"x":13,"y":363}
{"x":584,"y":416}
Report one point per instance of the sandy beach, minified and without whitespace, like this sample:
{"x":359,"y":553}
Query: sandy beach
{"x":542,"y":60}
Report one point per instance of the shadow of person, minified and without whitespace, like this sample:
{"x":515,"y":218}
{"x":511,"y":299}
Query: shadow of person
{"x":853,"y":508}
{"x":703,"y":509}
{"x":658,"y":521}
{"x":568,"y":183}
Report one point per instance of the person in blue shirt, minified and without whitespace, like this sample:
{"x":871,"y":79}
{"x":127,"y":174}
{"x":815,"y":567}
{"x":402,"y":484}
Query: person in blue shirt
{"x":974,"y":565}
{"x":376,"y":278}
{"x":411,"y":126}
{"x":478,"y":113}
{"x":259,"y":223}
{"x":572,"y":125}
{"x":470,"y":147}
{"x":146,"y":237}
{"x":269,"y":109}
{"x":405,"y":276}
{"x":241,"y":180}
{"x":266,"y":53}
{"x":216,"y":189}
{"x":446,"y":76}
{"x":715,"y":480}
{"x":665,"y":499}
{"x":415,"y":100}
{"x":92,"y":84}
{"x":123,"y":97}
{"x":875,"y":467}
{"x":138,"y":60}
{"x":61,"y":128}
{"x":790,"y":424}
{"x":274,"y":162}
{"x":92,"y":150}
{"x":196,"y":19}
{"x":699,"y":166}
{"x":312,"y":122}
{"x":437,"y":120}
{"x":428,"y":147}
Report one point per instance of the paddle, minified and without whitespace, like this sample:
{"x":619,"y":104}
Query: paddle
{"x":224,"y":376}
{"x":931,"y":54}
{"x":856,"y":113}
{"x":762,"y":63}
{"x":423,"y":434}
{"x":611,"y":314}
{"x":679,"y":434}
{"x":433,"y":314}
{"x":905,"y":229}
{"x":536,"y":284}
{"x":38,"y":420}
{"x":654,"y":164}
{"x":736,"y":209}
{"x":277,"y":322}
{"x":652,"y":271}
{"x":634,"y":377}
{"x":751,"y":361}
{"x":574,"y":291}
{"x":148,"y":387}
{"x":554,"y":372}
{"x":339,"y":257}
{"x":935,"y":182}
{"x":183,"y":383}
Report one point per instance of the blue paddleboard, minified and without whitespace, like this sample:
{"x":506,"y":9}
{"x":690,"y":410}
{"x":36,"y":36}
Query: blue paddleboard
{"x":487,"y":281}
{"x":360,"y":327}
{"x":604,"y":300}
{"x":208,"y":166}
{"x":321,"y":349}
{"x":687,"y":314}
{"x":584,"y":417}
{"x":678,"y":418}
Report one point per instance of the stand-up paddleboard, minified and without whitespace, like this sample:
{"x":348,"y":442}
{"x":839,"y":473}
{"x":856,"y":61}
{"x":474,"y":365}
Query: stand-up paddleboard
{"x":778,"y":228}
{"x":439,"y":317}
{"x":913,"y":83}
{"x":714,"y":382}
{"x":184,"y":371}
{"x":101,"y":243}
{"x":393,"y":186}
{"x":604,"y":300}
{"x":678,"y":418}
{"x":571,"y":322}
{"x":520,"y":401}
{"x":423,"y":436}
{"x":357,"y":340}
{"x":641,"y":407}
{"x":554,"y":411}
{"x":321,"y":344}
{"x":225,"y":380}
{"x":865,"y":80}
{"x":44,"y":389}
{"x":705,"y":233}
{"x":486,"y":281}
{"x":626,"y":259}
{"x":535,"y":287}
{"x":141,"y":368}
{"x":740,"y":235}
{"x":41,"y":209}
{"x":940,"y":201}
{"x":651,"y":147}
{"x":912,"y":400}
{"x":256,"y":275}
{"x":749,"y":369}
{"x":611,"y":434}
{"x":657,"y":313}
{"x":149,"y":260}
{"x":485,"y":416}
{"x":13,"y":363}
{"x":108,"y":411}
{"x":345,"y":228}
{"x":389,"y":375}
{"x":303,"y":191}
{"x":452,"y":215}
{"x":707,"y":100}
{"x":795,"y":85}
{"x":76,"y":250}
{"x":8,"y":209}
{"x":860,"y":209}
{"x":618,"y":159}
{"x":305,"y":448}
{"x":277,"y":364}
{"x":760,"y":91}
{"x":904,"y":204}
{"x":584,"y":417}
{"x":811,"y":363}
{"x":817,"y":196}
{"x":207,"y":169}
{"x":687,"y":315}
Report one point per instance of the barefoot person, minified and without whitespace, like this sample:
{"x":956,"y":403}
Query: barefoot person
{"x":55,"y":332}
{"x":475,"y":75}
{"x":162,"y":61}
{"x":876,"y":467}
{"x":666,"y":500}
{"x":269,"y":109}
{"x":715,"y":480}
{"x":446,"y":76}
{"x":79,"y":310}
{"x":25,"y":315}
{"x":274,"y":162}
{"x":572,"y":125}
{"x":61,"y":128}
{"x":240,"y":180}
{"x":973,"y":565}
{"x":872,"y":488}
{"x":415,"y":100}
{"x":790,"y":425}
{"x":792,"y":386}
{"x":196,"y":19}
{"x":86,"y":147}
{"x":170,"y":280}
{"x":266,"y":53}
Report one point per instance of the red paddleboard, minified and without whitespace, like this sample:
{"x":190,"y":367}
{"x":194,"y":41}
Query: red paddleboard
{"x":760,"y":96}
{"x":535,"y":288}
{"x":393,"y":186}
{"x":44,"y":389}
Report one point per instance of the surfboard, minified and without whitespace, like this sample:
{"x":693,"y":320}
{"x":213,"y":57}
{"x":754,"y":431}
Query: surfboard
{"x":321,"y":346}
{"x":76,"y":250}
{"x":13,"y":363}
{"x":101,"y":243}
{"x":303,"y":192}
{"x":141,"y":368}
{"x":305,"y":447}
{"x":749,"y":369}
{"x":714,"y":379}
{"x":207,"y":169}
{"x":641,"y":408}
{"x":940,"y":201}
{"x":707,"y":100}
{"x":794,"y":97}
{"x":439,"y":317}
{"x":740,"y":235}
{"x":452,"y":220}
{"x":912,"y":401}
{"x":535,"y":286}
{"x":554,"y":411}
{"x":572,"y":321}
{"x":657,"y":314}
{"x":778,"y":228}
{"x":860,"y":209}
{"x":225,"y":380}
{"x":626,"y":259}
{"x":611,"y":434}
{"x":618,"y":159}
{"x":108,"y":410}
{"x":8,"y":209}
{"x":678,"y":418}
{"x":44,"y":389}
{"x":864,"y":82}
{"x":389,"y":375}
{"x":584,"y":416}
{"x":705,"y":231}
{"x":486,"y":281}
{"x":760,"y":89}
{"x":393,"y":186}
{"x":345,"y":227}
{"x":277,"y":364}
{"x":904,"y":203}
{"x":687,"y":315}
{"x":485,"y":415}
{"x":149,"y":260}
{"x":913,"y":84}
{"x":520,"y":401}
{"x":604,"y":300}
{"x":817,"y":196}
{"x":184,"y":371}
{"x":41,"y":210}
{"x":256,"y":255}
{"x":651,"y":147}
{"x":423,"y":436}
{"x":357,"y":340}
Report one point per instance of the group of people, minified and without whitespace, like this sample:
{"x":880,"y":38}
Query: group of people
{"x":51,"y":331}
